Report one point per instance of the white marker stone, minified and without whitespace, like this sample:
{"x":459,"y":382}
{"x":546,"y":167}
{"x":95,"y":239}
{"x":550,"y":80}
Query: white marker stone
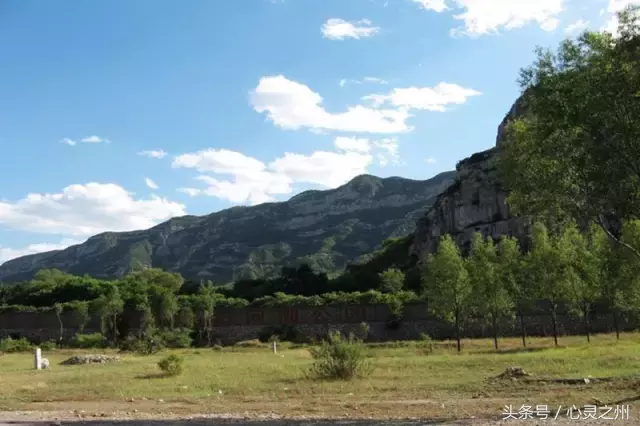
{"x":38,"y":358}
{"x":275,"y":347}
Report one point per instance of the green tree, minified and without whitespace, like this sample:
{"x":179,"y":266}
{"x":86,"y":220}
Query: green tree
{"x":80,"y":312}
{"x":108,"y":307}
{"x":510,"y":274}
{"x":544,"y":268}
{"x":58,"y":308}
{"x":580,"y":272}
{"x":446,"y":284}
{"x":620,"y":285}
{"x":206,"y":301}
{"x":491,"y":296}
{"x":391,"y":280}
{"x":575,"y":150}
{"x":165,"y":306}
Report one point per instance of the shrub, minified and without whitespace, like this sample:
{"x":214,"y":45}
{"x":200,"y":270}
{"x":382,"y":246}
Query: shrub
{"x":48,"y":345}
{"x":364,"y":330}
{"x":179,"y":338}
{"x":217,"y":347}
{"x":88,"y":341}
{"x":15,"y":345}
{"x":340,"y":358}
{"x":147,"y":345}
{"x":171,"y":365}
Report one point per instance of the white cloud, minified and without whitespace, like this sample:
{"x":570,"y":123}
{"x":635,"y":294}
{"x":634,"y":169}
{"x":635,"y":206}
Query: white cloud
{"x":339,"y":29}
{"x":435,"y":5}
{"x":577,"y":26}
{"x":68,"y":141}
{"x":329,"y":169}
{"x":292,"y":105}
{"x":94,"y":139}
{"x":159,"y":153}
{"x":613,"y":8}
{"x":251,"y":181}
{"x":425,"y":98}
{"x":430,"y":160}
{"x":82,"y":210}
{"x":391,"y":154}
{"x":481,"y":17}
{"x":373,"y":80}
{"x":192,"y":192}
{"x":255,"y":182}
{"x":352,"y":144}
{"x":7,"y":253}
{"x":150,"y":183}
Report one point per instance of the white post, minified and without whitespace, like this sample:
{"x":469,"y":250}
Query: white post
{"x":275,"y":347}
{"x":38,"y":359}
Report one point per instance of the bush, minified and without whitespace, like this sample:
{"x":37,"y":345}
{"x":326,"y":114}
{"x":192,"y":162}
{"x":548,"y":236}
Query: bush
{"x":179,"y":338}
{"x":217,"y":348}
{"x":147,"y":345}
{"x":171,"y":365}
{"x":10,"y":345}
{"x":340,"y":358}
{"x":48,"y":345}
{"x":88,"y":341}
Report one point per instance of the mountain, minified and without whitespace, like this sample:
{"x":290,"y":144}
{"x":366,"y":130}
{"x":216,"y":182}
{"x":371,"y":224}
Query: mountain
{"x":327,"y":229}
{"x":476,"y":202}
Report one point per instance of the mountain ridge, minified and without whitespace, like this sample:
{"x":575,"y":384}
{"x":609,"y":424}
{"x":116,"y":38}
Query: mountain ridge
{"x":326,"y":228}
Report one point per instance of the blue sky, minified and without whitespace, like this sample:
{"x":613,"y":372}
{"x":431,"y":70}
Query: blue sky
{"x":117,"y":115}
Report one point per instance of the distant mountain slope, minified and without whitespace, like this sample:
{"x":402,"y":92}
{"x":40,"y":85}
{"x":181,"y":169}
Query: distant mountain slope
{"x":326,"y":229}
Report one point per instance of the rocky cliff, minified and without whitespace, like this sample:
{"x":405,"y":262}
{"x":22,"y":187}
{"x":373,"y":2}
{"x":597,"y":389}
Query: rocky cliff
{"x":476,"y":202}
{"x":326,"y":229}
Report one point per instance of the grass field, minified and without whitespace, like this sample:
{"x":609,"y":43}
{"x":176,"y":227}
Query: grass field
{"x":407,"y":381}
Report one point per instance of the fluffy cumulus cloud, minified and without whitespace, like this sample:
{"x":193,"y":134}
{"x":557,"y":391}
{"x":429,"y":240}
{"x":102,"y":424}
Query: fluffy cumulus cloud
{"x":425,"y":98}
{"x":150,"y":183}
{"x":339,"y":29}
{"x":613,"y":8}
{"x":12,"y":253}
{"x":83,"y":210}
{"x":292,"y":105}
{"x":154,"y":153}
{"x":253,"y":181}
{"x":480,"y":17}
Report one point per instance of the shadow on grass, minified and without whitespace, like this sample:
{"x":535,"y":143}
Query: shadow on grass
{"x":154,"y":376}
{"x":511,"y":351}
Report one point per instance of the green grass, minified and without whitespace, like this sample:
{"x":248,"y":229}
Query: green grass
{"x":407,"y":380}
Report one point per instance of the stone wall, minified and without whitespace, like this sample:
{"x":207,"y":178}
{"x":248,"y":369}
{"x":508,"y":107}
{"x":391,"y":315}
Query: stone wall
{"x":232,"y":325}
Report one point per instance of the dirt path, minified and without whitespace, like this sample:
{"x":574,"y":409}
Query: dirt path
{"x":30,"y":418}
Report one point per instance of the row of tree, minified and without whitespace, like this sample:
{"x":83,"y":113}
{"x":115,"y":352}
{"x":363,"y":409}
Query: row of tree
{"x":574,"y":268}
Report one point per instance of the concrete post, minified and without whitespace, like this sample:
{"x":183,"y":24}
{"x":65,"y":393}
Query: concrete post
{"x":38,"y":358}
{"x":275,"y":347}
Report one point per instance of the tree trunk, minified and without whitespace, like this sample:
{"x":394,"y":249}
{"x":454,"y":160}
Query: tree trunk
{"x":458,"y":332}
{"x":615,"y":323}
{"x":494,"y":321}
{"x":587,"y":322}
{"x":554,"y":321}
{"x":523,"y":330}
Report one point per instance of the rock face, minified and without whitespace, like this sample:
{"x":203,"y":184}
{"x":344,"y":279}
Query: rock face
{"x":476,"y":202}
{"x":327,"y":229}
